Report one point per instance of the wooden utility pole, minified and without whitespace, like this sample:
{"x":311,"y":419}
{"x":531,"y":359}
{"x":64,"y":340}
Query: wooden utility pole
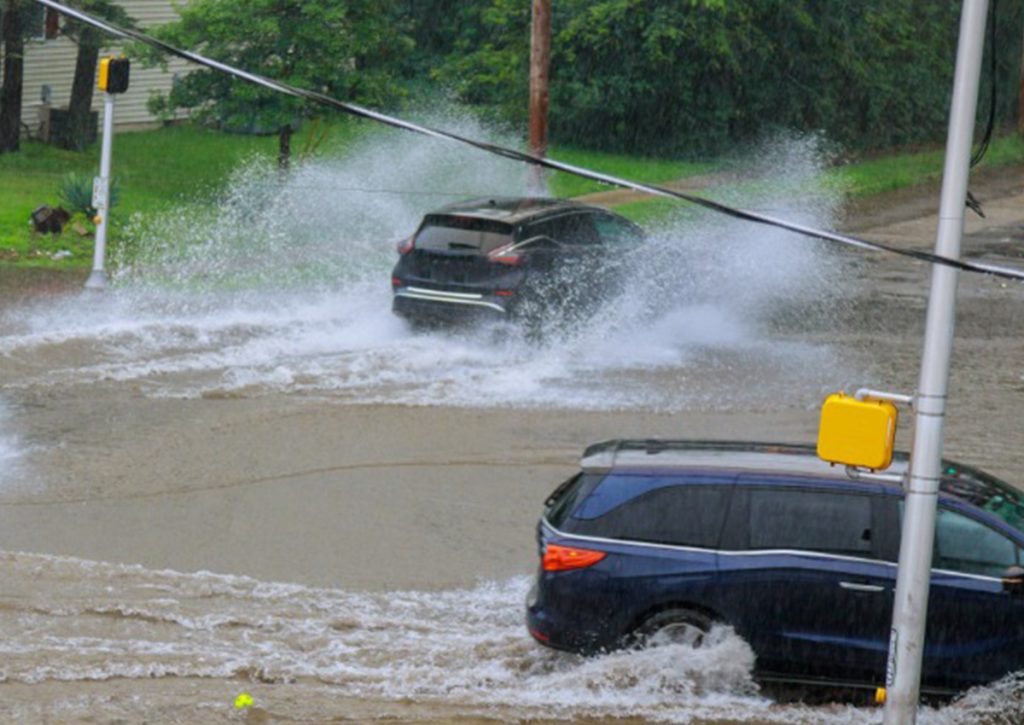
{"x":540,"y":66}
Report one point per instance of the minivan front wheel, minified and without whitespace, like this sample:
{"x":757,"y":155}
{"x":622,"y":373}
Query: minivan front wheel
{"x":673,"y":626}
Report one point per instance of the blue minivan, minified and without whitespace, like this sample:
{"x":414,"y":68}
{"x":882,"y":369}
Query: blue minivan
{"x":656,"y":540}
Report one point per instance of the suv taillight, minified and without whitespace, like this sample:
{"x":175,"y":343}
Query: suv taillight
{"x":562,"y":558}
{"x":405,"y":246}
{"x":505,"y":255}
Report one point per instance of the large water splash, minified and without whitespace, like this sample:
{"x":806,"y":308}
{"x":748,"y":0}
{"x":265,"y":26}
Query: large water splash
{"x":283,"y":285}
{"x":11,"y":449}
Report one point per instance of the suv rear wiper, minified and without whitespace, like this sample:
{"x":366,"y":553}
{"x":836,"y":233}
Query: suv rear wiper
{"x":462,"y":245}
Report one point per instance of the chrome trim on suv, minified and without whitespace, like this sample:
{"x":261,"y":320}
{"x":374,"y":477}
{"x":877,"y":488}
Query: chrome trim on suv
{"x":456,"y":298}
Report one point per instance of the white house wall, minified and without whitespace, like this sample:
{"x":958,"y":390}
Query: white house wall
{"x":52,"y":63}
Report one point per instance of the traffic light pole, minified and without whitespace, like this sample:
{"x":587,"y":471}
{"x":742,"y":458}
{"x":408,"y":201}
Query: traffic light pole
{"x":906,"y":644}
{"x":101,"y":197}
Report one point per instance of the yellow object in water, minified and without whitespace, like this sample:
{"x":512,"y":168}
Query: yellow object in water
{"x":857,"y":432}
{"x":243,"y":700}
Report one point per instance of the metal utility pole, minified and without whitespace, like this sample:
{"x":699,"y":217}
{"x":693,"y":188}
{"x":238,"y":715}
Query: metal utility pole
{"x":113,"y":79}
{"x":101,"y":197}
{"x":910,"y":608}
{"x":540,"y":67}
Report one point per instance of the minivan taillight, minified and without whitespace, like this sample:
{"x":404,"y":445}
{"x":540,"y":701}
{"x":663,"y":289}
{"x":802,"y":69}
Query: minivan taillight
{"x":505,"y":255}
{"x":405,"y":246}
{"x":561,"y":558}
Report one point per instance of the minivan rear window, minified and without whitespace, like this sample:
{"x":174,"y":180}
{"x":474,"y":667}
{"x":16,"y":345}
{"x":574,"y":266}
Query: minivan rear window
{"x":465,"y":234}
{"x":675,"y":510}
{"x":568,"y":496}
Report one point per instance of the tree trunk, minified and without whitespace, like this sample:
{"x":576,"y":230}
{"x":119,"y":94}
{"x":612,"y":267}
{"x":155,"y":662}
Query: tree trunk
{"x":80,"y":106}
{"x":14,"y":64}
{"x":284,"y":147}
{"x":1020,"y":97}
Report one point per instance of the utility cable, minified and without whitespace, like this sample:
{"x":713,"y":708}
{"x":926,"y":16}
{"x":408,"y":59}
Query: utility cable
{"x":548,"y":163}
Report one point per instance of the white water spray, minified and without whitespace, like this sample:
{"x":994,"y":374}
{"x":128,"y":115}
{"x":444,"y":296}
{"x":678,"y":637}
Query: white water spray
{"x":284,"y":286}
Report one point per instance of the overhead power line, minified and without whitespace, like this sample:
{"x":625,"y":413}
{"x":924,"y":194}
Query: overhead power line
{"x":546,"y":162}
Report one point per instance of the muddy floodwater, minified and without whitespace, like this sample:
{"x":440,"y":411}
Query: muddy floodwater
{"x":212,"y":485}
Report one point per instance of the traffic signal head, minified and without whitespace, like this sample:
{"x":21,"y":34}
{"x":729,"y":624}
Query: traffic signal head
{"x":113,"y":77}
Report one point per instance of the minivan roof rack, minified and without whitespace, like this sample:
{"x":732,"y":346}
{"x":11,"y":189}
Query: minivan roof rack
{"x":958,"y":479}
{"x":658,"y":452}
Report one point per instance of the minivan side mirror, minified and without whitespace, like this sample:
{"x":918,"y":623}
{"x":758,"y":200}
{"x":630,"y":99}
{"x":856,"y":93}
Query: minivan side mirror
{"x":1013,"y":580}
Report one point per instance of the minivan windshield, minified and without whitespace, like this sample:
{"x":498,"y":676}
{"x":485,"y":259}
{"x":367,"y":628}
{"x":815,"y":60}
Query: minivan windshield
{"x":467,"y":234}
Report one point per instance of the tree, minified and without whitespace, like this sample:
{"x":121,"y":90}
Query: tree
{"x":698,"y":77}
{"x":13,"y":30}
{"x":90,"y":41}
{"x":344,"y":49}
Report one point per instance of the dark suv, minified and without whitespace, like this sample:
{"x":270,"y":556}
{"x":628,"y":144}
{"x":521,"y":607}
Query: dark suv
{"x":660,"y":539}
{"x":518,"y":258}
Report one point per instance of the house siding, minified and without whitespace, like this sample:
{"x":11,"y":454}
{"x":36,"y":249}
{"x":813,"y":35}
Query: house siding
{"x":51,"y":63}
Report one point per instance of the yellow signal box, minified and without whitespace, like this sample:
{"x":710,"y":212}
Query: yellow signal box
{"x":113,"y":75}
{"x":857,"y":432}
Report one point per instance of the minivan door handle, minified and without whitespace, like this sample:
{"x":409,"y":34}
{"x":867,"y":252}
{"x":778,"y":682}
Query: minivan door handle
{"x":855,"y":587}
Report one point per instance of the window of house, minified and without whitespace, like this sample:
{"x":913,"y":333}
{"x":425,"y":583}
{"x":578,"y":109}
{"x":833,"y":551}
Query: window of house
{"x":41,"y":23}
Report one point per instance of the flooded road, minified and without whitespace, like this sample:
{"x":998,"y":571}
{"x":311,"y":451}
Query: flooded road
{"x":236,"y":471}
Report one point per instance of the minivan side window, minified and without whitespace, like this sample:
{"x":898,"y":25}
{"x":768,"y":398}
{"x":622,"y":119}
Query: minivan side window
{"x":815,"y":520}
{"x":679,"y":515}
{"x":965,"y":545}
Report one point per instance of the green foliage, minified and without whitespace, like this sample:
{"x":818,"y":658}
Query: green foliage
{"x":696,"y":77}
{"x":344,"y":49}
{"x":86,"y":34}
{"x":489,"y":63}
{"x":76,"y":193}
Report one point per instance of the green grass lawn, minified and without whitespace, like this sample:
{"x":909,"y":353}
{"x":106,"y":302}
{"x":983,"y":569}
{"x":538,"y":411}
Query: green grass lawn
{"x":153,"y":171}
{"x":161,"y":168}
{"x":634,"y":168}
{"x":855,"y":179}
{"x":886,"y":173}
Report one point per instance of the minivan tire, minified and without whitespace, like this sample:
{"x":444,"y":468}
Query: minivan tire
{"x":673,"y":626}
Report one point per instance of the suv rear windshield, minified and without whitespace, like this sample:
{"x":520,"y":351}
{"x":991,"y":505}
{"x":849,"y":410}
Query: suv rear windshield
{"x":459,"y":233}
